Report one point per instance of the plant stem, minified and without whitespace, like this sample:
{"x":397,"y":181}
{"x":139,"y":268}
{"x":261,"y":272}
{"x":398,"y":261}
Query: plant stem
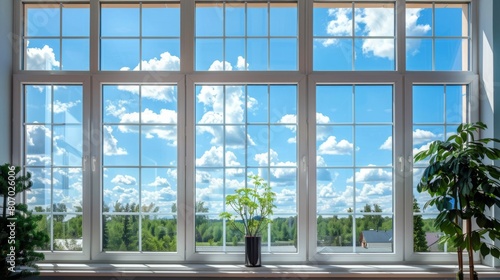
{"x":470,"y":253}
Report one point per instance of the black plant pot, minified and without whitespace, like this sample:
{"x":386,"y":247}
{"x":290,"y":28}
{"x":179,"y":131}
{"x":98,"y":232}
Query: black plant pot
{"x":252,"y":251}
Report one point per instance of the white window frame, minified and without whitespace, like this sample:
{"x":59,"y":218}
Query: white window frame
{"x":187,"y":78}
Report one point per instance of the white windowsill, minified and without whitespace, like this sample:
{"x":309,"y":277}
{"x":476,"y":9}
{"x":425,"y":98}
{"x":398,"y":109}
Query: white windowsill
{"x":281,"y":271}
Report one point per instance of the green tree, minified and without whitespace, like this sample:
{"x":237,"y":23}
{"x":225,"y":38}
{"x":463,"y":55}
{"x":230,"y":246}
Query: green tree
{"x":419,"y":240}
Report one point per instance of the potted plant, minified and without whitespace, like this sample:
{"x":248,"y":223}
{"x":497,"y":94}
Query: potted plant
{"x":19,"y":236}
{"x":463,"y":187}
{"x":253,"y":207}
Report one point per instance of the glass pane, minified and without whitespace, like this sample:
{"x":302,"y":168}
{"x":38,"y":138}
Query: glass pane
{"x":419,"y":54}
{"x":374,"y":145}
{"x":68,"y":104}
{"x":452,"y":55}
{"x":428,"y":104}
{"x":158,"y":103}
{"x":335,"y":145}
{"x":257,"y":19}
{"x":235,"y":55}
{"x":209,"y":19}
{"x":38,"y":100}
{"x":208,"y":234}
{"x":120,"y":20}
{"x":283,"y":101}
{"x":68,"y":232}
{"x":120,"y":145}
{"x":67,"y":187}
{"x":334,"y":192}
{"x":257,"y":148}
{"x":38,"y":141}
{"x":257,"y":52}
{"x":423,"y":135}
{"x":418,"y":19}
{"x":209,"y":54}
{"x":160,"y":55}
{"x":374,"y":19}
{"x":120,"y":104}
{"x":283,"y":235}
{"x":67,"y":145}
{"x":158,"y":145}
{"x":42,"y":54}
{"x":283,"y":19}
{"x":452,"y":20}
{"x":159,"y":233}
{"x":120,"y":232}
{"x":333,"y":54}
{"x":159,"y":190}
{"x":424,"y":230}
{"x":334,"y":104}
{"x":456,"y":103}
{"x":42,"y":19}
{"x":374,"y":186}
{"x":235,"y":19}
{"x":120,"y":54}
{"x":234,"y":106}
{"x":373,"y":103}
{"x":257,"y":104}
{"x":375,"y":233}
{"x":334,"y":234}
{"x":120,"y":189}
{"x":161,"y":19}
{"x":332,"y":19}
{"x":75,"y":20}
{"x":75,"y":54}
{"x":374,"y":54}
{"x":38,"y":198}
{"x":283,"y":54}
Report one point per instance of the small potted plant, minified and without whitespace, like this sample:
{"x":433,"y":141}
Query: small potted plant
{"x":463,"y":187}
{"x":252,"y":208}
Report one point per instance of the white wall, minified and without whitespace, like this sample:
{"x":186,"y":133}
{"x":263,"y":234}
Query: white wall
{"x":489,"y":71}
{"x":6,"y":13}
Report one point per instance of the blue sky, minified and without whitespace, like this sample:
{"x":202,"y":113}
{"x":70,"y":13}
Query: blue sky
{"x":237,"y":126}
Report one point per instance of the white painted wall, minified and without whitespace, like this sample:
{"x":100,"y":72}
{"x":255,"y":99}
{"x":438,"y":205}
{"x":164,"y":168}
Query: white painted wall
{"x":6,"y":14}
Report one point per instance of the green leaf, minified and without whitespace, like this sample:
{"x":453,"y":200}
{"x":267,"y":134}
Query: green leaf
{"x":484,"y":250}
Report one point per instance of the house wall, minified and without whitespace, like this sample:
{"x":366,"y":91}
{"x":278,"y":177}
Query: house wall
{"x":6,"y":16}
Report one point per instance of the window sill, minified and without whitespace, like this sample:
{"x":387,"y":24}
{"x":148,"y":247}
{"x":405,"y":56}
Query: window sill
{"x":291,"y":271}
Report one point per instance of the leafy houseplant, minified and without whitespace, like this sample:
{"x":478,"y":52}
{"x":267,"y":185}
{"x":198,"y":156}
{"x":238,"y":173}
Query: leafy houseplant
{"x":462,"y":187}
{"x":253,"y":207}
{"x":19,"y":236}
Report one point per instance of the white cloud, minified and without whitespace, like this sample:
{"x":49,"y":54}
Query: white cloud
{"x":414,"y":29}
{"x":41,"y":59}
{"x":322,"y":119}
{"x":124,"y":180}
{"x":110,"y":143}
{"x":60,"y":107}
{"x":148,"y":116}
{"x":213,"y":157}
{"x":376,"y":22}
{"x":332,"y":147}
{"x":159,"y":181}
{"x":262,"y":159}
{"x":220,"y":66}
{"x":167,"y":62}
{"x":387,"y":144}
{"x":372,"y":175}
{"x":241,"y":63}
{"x":423,"y":136}
{"x":160,"y":92}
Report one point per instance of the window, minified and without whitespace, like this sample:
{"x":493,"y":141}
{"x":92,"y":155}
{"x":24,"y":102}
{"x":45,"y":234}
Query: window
{"x":139,"y":167}
{"x":437,"y":36}
{"x":53,"y":155}
{"x":353,"y":36}
{"x":133,"y":149}
{"x":354,"y":132}
{"x":442,"y":115}
{"x":246,"y":36}
{"x":140,"y":37}
{"x":56,"y":36}
{"x":244,"y":130}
